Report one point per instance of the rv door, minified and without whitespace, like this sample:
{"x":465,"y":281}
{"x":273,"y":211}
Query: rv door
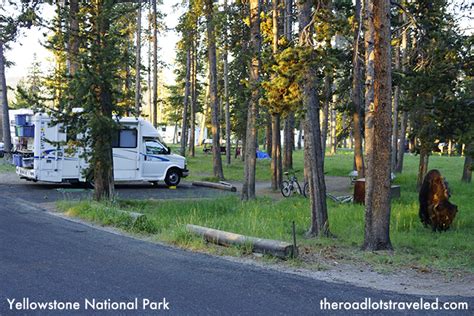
{"x":154,"y":159}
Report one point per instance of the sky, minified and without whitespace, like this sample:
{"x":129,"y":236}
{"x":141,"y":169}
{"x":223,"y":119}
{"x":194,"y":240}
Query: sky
{"x":29,"y":43}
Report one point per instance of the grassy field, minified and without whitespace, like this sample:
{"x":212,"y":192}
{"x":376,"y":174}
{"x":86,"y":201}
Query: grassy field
{"x":415,"y":247}
{"x":6,"y":167}
{"x":201,"y":166}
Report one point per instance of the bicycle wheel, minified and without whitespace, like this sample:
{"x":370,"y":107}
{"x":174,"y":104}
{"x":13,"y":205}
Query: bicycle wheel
{"x":286,"y":189}
{"x":306,"y":190}
{"x":297,"y":187}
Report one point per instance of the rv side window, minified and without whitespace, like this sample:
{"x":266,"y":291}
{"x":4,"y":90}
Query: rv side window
{"x":125,"y":138}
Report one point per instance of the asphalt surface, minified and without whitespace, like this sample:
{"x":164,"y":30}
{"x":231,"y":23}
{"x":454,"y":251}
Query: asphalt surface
{"x":39,"y":192}
{"x":45,"y":258}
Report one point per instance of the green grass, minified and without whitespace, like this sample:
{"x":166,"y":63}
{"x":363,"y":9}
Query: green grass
{"x":415,"y":246}
{"x":201,"y":166}
{"x":5,"y":166}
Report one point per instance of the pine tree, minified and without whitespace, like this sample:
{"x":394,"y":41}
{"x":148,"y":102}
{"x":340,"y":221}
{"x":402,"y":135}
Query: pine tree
{"x":378,"y":129}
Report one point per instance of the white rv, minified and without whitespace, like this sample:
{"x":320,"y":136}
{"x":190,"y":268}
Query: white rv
{"x":138,"y":153}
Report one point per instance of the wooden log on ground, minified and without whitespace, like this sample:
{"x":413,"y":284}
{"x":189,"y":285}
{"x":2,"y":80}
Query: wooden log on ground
{"x":276,"y":248}
{"x":214,"y":185}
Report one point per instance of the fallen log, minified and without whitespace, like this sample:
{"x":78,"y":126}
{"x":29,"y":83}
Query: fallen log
{"x":220,"y":186}
{"x":276,"y":248}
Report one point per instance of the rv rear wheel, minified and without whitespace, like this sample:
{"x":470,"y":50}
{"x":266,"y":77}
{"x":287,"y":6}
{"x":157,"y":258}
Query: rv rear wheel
{"x":173,"y":176}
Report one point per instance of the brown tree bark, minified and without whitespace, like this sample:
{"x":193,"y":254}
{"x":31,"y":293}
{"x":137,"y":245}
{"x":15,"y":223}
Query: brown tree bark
{"x":226,"y":92}
{"x":213,"y":98}
{"x":4,"y":116}
{"x":155,"y":64}
{"x":314,"y":161}
{"x":396,"y":101}
{"x":378,"y":129}
{"x":138,"y":56}
{"x":288,"y":131}
{"x":289,"y":141}
{"x":102,"y":145}
{"x":356,"y":95}
{"x":184,"y":129}
{"x":325,"y":111}
{"x":276,"y":164}
{"x":402,"y":141}
{"x":333,"y":118}
{"x":149,"y":82}
{"x":268,"y":135}
{"x":467,"y":169}
{"x":73,"y":44}
{"x":300,"y":136}
{"x":248,"y":189}
{"x":422,"y":166}
{"x":404,"y":114}
{"x":192,"y":121}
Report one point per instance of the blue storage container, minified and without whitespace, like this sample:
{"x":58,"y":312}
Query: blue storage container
{"x":22,"y":119}
{"x":25,"y":131}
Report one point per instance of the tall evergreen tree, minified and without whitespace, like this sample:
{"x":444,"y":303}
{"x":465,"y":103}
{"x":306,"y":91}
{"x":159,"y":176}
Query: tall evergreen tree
{"x":378,"y":130}
{"x":214,"y":102}
{"x":248,"y":189}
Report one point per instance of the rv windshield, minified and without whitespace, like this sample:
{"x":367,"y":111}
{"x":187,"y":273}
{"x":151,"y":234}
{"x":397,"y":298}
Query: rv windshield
{"x":155,"y":147}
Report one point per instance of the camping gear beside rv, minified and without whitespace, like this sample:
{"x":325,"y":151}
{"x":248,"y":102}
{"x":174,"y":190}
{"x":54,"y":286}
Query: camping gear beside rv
{"x":138,"y":153}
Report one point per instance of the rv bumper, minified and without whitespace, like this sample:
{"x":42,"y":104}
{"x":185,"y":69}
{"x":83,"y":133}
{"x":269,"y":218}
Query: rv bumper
{"x":184,"y":173}
{"x":26,"y":173}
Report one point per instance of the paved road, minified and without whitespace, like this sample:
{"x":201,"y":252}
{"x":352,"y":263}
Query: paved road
{"x":46,"y":258}
{"x":39,"y":192}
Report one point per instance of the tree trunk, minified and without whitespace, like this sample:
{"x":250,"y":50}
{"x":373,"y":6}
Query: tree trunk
{"x":138,"y":63}
{"x":467,"y":170}
{"x":276,"y":165}
{"x":422,"y":167}
{"x":289,"y":140}
{"x":73,"y":44}
{"x":184,"y":129}
{"x":149,"y":86}
{"x":396,"y":98}
{"x":4,"y":116}
{"x":314,"y":163}
{"x":276,"y":153}
{"x":214,"y":102}
{"x":268,"y":135}
{"x":289,"y":136}
{"x":300,"y":135}
{"x":192,"y":136}
{"x":333,"y":127}
{"x":155,"y":64}
{"x":402,"y":141}
{"x":248,"y":189}
{"x":327,"y":104}
{"x":356,"y":97}
{"x":378,"y":128}
{"x":226,"y":93}
{"x":102,"y":160}
{"x":404,"y":114}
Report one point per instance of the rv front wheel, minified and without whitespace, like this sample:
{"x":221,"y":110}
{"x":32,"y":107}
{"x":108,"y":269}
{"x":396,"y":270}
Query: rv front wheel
{"x":173,"y":177}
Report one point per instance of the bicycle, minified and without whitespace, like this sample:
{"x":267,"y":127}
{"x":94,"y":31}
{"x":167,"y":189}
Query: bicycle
{"x":292,"y":186}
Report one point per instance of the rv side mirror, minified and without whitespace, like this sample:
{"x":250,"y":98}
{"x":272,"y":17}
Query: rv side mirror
{"x":168,"y":150}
